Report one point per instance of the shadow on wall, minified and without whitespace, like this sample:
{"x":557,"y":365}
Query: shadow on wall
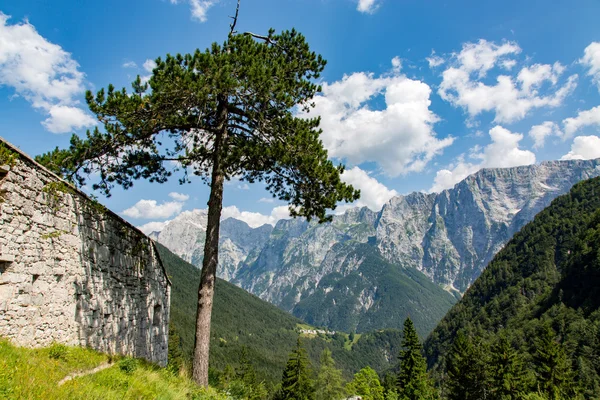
{"x":121,"y":302}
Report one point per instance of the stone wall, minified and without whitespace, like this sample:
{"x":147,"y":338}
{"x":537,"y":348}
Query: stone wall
{"x":73,"y":272}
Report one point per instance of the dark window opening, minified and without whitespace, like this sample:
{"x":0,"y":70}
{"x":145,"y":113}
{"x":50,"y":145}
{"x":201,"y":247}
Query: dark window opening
{"x":157,"y":318}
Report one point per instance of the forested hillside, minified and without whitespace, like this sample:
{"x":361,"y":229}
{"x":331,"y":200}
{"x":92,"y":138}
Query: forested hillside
{"x":377,"y":294}
{"x":241,"y":320}
{"x":531,"y":321}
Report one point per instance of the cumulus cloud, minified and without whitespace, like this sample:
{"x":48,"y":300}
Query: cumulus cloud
{"x":42,"y":73}
{"x":66,"y":118}
{"x":591,"y":59}
{"x":539,"y":133}
{"x":150,"y":209}
{"x":434,"y":60}
{"x":584,"y":148}
{"x":254,"y":219}
{"x":367,"y":6}
{"x":511,"y":97}
{"x":400,"y":137}
{"x":153,"y":227}
{"x":199,"y":8}
{"x":583,"y":120}
{"x":267,"y":200}
{"x":502,"y":152}
{"x":373,"y":193}
{"x":129,"y":64}
{"x":179,"y":196}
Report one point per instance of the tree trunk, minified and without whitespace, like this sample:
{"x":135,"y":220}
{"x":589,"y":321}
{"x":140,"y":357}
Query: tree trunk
{"x":206,"y":289}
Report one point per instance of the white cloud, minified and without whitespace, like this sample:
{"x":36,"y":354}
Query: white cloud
{"x":400,"y":137}
{"x":373,"y":194}
{"x":584,"y":148}
{"x":367,"y":6}
{"x":582,"y":120}
{"x":511,"y":97}
{"x":149,"y":65}
{"x":153,"y":227}
{"x":539,"y":133}
{"x":502,"y":152}
{"x":66,"y":118}
{"x":129,"y":64}
{"x":396,"y":64}
{"x":267,"y":200}
{"x":591,"y":59}
{"x":42,"y":73}
{"x":179,"y":196}
{"x":243,"y":186}
{"x":434,"y":60}
{"x":199,"y":8}
{"x":150,"y":209}
{"x":254,"y":219}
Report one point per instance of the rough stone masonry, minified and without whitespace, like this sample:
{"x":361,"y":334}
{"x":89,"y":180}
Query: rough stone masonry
{"x":72,"y":271}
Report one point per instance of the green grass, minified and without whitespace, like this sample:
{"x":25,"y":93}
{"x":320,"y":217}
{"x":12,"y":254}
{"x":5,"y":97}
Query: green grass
{"x":35,"y":374}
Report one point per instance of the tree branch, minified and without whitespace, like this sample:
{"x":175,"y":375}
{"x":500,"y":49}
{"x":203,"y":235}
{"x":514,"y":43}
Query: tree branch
{"x":233,"y":24}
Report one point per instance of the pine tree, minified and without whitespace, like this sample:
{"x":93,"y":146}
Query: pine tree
{"x":223,"y":112}
{"x":508,"y":377}
{"x":175,"y":353}
{"x":245,"y":371}
{"x":296,"y":383}
{"x":329,"y":384}
{"x":413,"y":382}
{"x":555,"y":378}
{"x":466,"y":370}
{"x":366,"y":385}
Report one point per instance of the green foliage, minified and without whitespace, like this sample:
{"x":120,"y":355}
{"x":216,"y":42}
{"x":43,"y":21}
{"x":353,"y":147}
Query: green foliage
{"x":58,"y":351}
{"x":202,"y":98}
{"x":128,"y":365}
{"x":541,"y":293}
{"x":329,"y":384}
{"x":35,"y":374}
{"x":465,"y":366}
{"x":176,"y":359}
{"x":7,"y":156}
{"x":366,"y":385}
{"x":413,"y":382}
{"x":296,"y":382}
{"x":508,"y":375}
{"x":268,"y":333}
{"x":553,"y":370}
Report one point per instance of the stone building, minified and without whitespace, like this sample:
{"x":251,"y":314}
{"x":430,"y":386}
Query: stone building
{"x":72,"y":271}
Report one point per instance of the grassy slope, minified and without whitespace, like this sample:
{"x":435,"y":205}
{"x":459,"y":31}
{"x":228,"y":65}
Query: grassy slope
{"x":34,"y":374}
{"x":241,"y":319}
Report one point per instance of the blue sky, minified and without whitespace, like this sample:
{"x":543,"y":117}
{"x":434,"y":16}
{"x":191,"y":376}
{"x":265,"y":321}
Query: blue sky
{"x":416,"y":94}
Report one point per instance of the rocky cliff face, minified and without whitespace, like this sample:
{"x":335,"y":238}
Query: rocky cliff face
{"x":449,"y":236}
{"x":238,"y":243}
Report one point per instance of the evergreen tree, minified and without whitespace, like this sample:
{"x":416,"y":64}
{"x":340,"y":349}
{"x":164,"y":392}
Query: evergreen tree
{"x":413,"y":382}
{"x":508,"y":377}
{"x":329,"y":384}
{"x":366,"y":385}
{"x":245,"y":371}
{"x":296,"y":383}
{"x":175,"y":353}
{"x":552,"y":367}
{"x":466,"y":370}
{"x":223,"y":112}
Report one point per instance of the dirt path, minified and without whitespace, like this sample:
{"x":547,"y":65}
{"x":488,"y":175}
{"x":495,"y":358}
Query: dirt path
{"x":84,"y":373}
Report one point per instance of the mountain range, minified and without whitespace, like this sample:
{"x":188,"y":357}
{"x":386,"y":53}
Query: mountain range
{"x":341,"y":274}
